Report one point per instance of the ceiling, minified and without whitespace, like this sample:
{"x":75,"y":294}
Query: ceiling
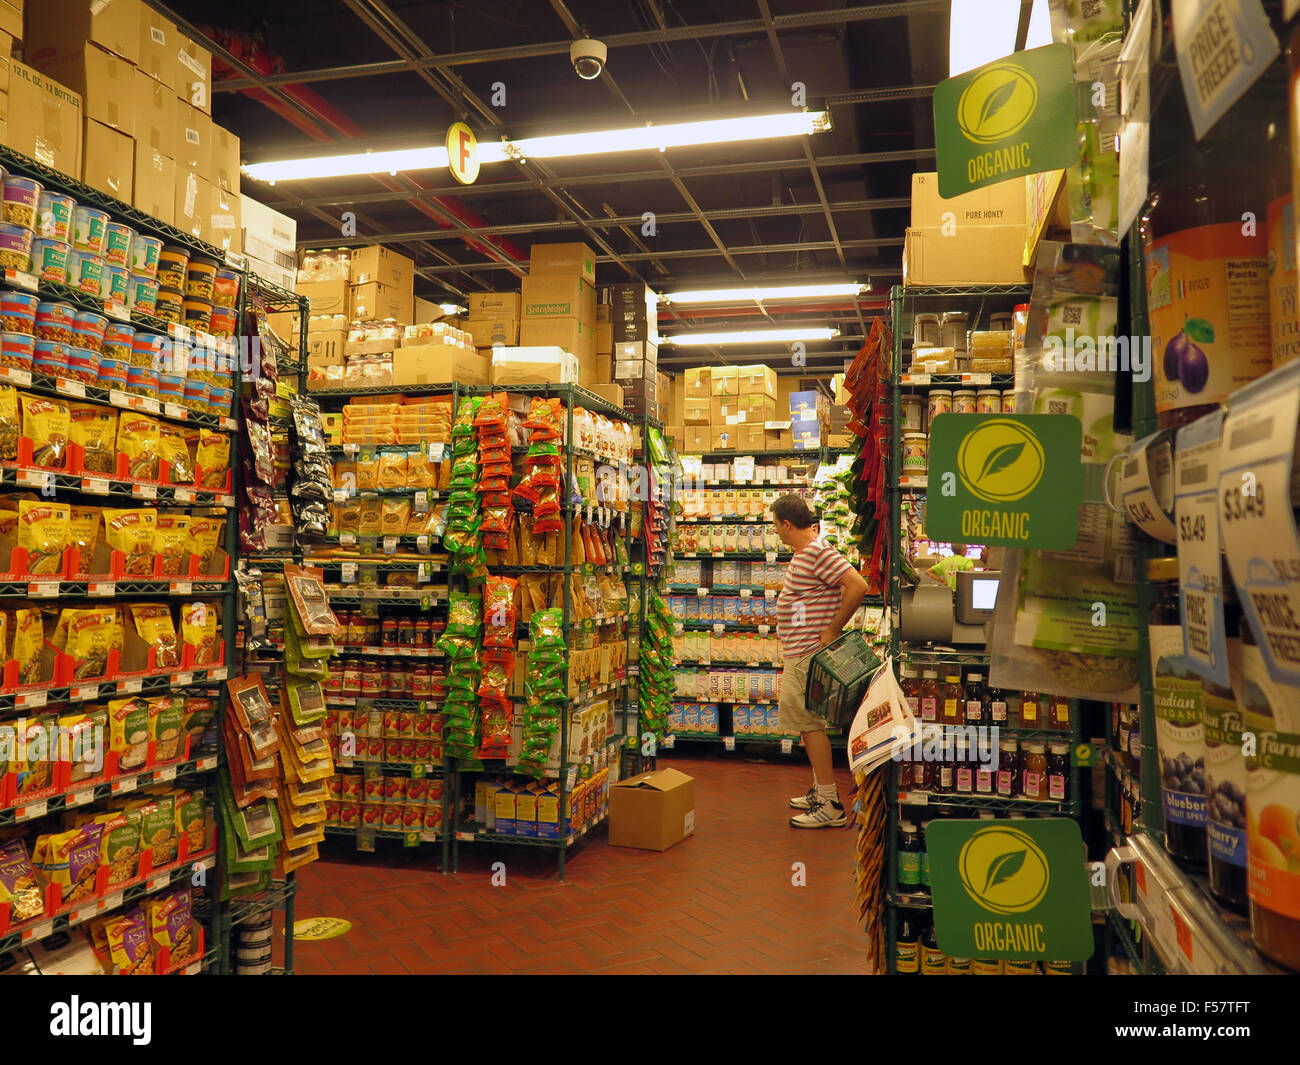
{"x":325,"y":76}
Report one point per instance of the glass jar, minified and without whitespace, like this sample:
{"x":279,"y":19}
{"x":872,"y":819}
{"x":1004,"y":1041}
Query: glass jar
{"x":1058,"y":771}
{"x":1225,"y":767}
{"x":951,"y":701}
{"x":985,"y":775}
{"x":963,"y":768}
{"x":1031,"y":711}
{"x":929,"y":695}
{"x":1033,"y":771}
{"x":1008,"y":776}
{"x":1058,"y":713}
{"x":976,"y":696}
{"x":998,"y":707}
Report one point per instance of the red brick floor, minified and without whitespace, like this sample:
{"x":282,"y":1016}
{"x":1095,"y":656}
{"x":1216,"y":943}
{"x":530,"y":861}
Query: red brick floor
{"x":721,"y":902}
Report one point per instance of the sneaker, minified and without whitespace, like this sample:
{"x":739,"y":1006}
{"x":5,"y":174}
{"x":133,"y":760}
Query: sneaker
{"x":804,"y":801}
{"x":821,"y":814}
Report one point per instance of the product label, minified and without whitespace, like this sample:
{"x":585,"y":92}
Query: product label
{"x":998,"y":711}
{"x":1033,"y":781}
{"x":1272,"y":712}
{"x":965,"y":781}
{"x":1207,"y":292}
{"x":1200,"y":591}
{"x":1147,"y":487}
{"x":1180,"y":736}
{"x":1004,"y":782}
{"x":1056,"y":787}
{"x":950,"y":712}
{"x":1225,"y":767}
{"x":907,"y":958}
{"x":929,"y":709}
{"x":1223,"y":46}
{"x":933,"y":962}
{"x":974,"y":710}
{"x":1282,"y":309}
{"x":909,"y":869}
{"x":983,"y":782}
{"x":946,"y":777}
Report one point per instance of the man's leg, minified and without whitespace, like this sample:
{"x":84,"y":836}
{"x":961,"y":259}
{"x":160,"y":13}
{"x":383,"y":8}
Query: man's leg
{"x":818,"y":747}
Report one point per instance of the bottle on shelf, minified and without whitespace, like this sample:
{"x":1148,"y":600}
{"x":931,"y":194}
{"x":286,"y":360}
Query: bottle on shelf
{"x":1058,"y":771}
{"x":1058,"y":713}
{"x":1033,"y":774}
{"x":951,"y":701}
{"x":1031,"y":714}
{"x":964,"y":768}
{"x":909,"y":858}
{"x":929,"y":695}
{"x":976,"y":700}
{"x":924,"y":886}
{"x":933,"y":961}
{"x":907,"y":945}
{"x":1225,"y":767}
{"x":1008,"y":772}
{"x":998,"y":707}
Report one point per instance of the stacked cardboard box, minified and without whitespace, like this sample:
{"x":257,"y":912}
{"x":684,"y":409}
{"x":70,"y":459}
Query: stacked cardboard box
{"x":270,"y":242}
{"x":381,"y":285}
{"x":976,"y":238}
{"x":494,"y":319}
{"x":728,"y":408}
{"x":810,"y":418}
{"x":558,"y":303}
{"x":144,"y":132}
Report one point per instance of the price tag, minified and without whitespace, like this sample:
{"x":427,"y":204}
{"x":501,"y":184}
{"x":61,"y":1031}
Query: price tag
{"x":70,"y":388}
{"x":43,"y":590}
{"x":150,"y":405}
{"x":1222,"y":48}
{"x":36,"y":809}
{"x":144,"y":491}
{"x":84,"y":693}
{"x":729,"y":743}
{"x":1146,"y":486}
{"x":422,"y":542}
{"x":347,"y":539}
{"x":978,"y":378}
{"x":340,"y":496}
{"x":28,"y":700}
{"x":132,"y":685}
{"x":80,"y":798}
{"x":745,"y":593}
{"x":1200,"y":592}
{"x":119,"y":398}
{"x":436,"y":452}
{"x":719,"y":628}
{"x":787,"y":746}
{"x":117,"y":311}
{"x":770,"y":556}
{"x":769,"y":593}
{"x":83,"y":914}
{"x":35,"y":478}
{"x":171,"y":410}
{"x":422,"y":573}
{"x":668,"y":743}
{"x":349,"y":573}
{"x":167,"y":772}
{"x":157,"y":883}
{"x":181,"y":587}
{"x":192,"y":969}
{"x":916,"y":379}
{"x":39,"y":931}
{"x":701,"y":592}
{"x":124,"y":784}
{"x":351,"y":449}
{"x":421,"y":501}
{"x":183,"y":495}
{"x":390,"y":545}
{"x":763,"y":630}
{"x":183,"y":680}
{"x":209,"y":762}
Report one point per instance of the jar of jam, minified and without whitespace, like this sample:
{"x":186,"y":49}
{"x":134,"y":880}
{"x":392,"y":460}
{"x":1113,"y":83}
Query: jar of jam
{"x":423,"y":633}
{"x":406,"y":632}
{"x":389,"y":633}
{"x":964,"y":768}
{"x":951,"y":708}
{"x":977,"y":698}
{"x":1031,"y":711}
{"x":929,"y":694}
{"x":1008,"y":778}
{"x":998,"y":707}
{"x":1058,"y":771}
{"x":1225,"y":766}
{"x":1033,"y":771}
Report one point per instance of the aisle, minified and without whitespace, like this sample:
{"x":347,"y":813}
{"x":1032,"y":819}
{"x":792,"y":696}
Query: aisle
{"x":721,"y":903}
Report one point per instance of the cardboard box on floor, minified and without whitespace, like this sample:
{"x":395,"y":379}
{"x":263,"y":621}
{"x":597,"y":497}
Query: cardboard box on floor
{"x":105,"y":81}
{"x":108,"y":161}
{"x":154,"y":183}
{"x":156,"y":111}
{"x":563,"y":260}
{"x":44,"y":119}
{"x":652,"y":811}
{"x":65,"y":27}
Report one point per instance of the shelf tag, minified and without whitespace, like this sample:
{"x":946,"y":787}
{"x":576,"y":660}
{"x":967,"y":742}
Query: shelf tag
{"x":980,"y":378}
{"x":390,"y":545}
{"x":916,"y":379}
{"x":183,"y":495}
{"x":144,"y":491}
{"x":150,"y":405}
{"x":422,"y":574}
{"x":1215,"y":75}
{"x":83,"y":693}
{"x":719,"y":628}
{"x":219,"y":673}
{"x":422,"y":542}
{"x":347,"y":539}
{"x":28,"y":700}
{"x":351,"y":449}
{"x":39,"y":932}
{"x":171,"y":410}
{"x":181,"y":588}
{"x":701,"y":592}
{"x":421,"y":501}
{"x":167,"y":772}
{"x":668,"y":743}
{"x":133,"y":685}
{"x":770,"y":556}
{"x":763,"y":630}
{"x":787,"y":746}
{"x":729,"y":743}
{"x":745,"y":593}
{"x":80,"y":798}
{"x":36,"y":809}
{"x":183,"y":680}
{"x":125,"y":784}
{"x":70,"y":388}
{"x":340,"y":496}
{"x":43,"y":589}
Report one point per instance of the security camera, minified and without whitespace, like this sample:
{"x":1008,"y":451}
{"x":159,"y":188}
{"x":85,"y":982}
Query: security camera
{"x":588,"y":58}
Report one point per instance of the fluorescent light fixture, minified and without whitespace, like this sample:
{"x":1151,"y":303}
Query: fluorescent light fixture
{"x":451,"y":308}
{"x":567,"y":145}
{"x":749,"y":336}
{"x":765,"y":294}
{"x":981,"y":31}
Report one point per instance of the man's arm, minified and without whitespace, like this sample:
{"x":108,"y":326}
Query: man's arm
{"x":853,"y":588}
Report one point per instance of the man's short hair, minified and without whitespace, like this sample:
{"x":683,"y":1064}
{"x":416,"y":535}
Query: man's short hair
{"x":793,"y":509}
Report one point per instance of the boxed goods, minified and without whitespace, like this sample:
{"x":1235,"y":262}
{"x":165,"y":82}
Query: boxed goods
{"x":191,"y":204}
{"x":756,"y":380}
{"x":63,"y":28}
{"x":652,"y":811}
{"x":533,"y":366}
{"x":156,"y":115}
{"x":572,"y":334}
{"x":194,"y":140}
{"x":193,"y":74}
{"x":504,"y":305}
{"x":558,"y":297}
{"x":375,"y":300}
{"x":563,"y":260}
{"x":604,"y":337}
{"x":158,"y":42}
{"x":383,"y":266}
{"x":438,"y":363}
{"x":44,"y":119}
{"x":105,"y":81}
{"x":325,"y":297}
{"x":224,"y":172}
{"x":724,"y":381}
{"x":108,"y":161}
{"x":698,"y":382}
{"x":978,"y":237}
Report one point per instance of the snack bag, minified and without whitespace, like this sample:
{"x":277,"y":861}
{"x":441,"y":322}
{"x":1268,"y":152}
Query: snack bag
{"x":94,"y":430}
{"x":205,"y":538}
{"x":392,"y":470}
{"x":132,"y":533}
{"x":138,"y":441}
{"x":120,"y":841}
{"x":174,"y":449}
{"x":171,"y":924}
{"x":29,"y":641}
{"x":128,"y":728}
{"x":171,"y":541}
{"x":128,"y":944}
{"x":158,"y":826}
{"x":10,"y":424}
{"x":199,"y":630}
{"x":166,"y":718}
{"x":83,"y":533}
{"x":191,"y":820}
{"x":212,"y":460}
{"x":43,"y":533}
{"x":19,"y":884}
{"x":47,"y":424}
{"x":90,"y":638}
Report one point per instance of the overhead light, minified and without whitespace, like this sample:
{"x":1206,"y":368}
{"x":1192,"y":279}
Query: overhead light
{"x":749,"y":336}
{"x":565,"y":145}
{"x":767,"y":294}
{"x":981,"y":31}
{"x":452,"y":308}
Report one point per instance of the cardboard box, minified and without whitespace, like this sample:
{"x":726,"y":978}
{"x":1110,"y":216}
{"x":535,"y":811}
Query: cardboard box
{"x":644,"y":389}
{"x":697,"y":382}
{"x":224,"y":229}
{"x":604,"y":336}
{"x":652,"y":811}
{"x":696,"y":411}
{"x":108,"y":161}
{"x":533,"y":366}
{"x":757,"y":380}
{"x":191,"y":205}
{"x":808,"y":405}
{"x":104,"y":80}
{"x":637,"y":349}
{"x":722,"y":439}
{"x":488,"y":332}
{"x":504,"y":801}
{"x":4,"y":118}
{"x":633,"y":370}
{"x":494,"y":305}
{"x":154,"y":184}
{"x":157,"y":47}
{"x":696,"y":438}
{"x":194,"y":141}
{"x":66,"y":27}
{"x":563,"y":260}
{"x":326,"y":349}
{"x":225,"y":160}
{"x":261,"y":223}
{"x":325,"y":297}
{"x":558,"y":297}
{"x":751,"y":438}
{"x":602,"y":312}
{"x":192,"y":79}
{"x":156,"y":115}
{"x":724,"y":381}
{"x":11,"y":18}
{"x":269,"y":271}
{"x":758,"y":409}
{"x":1003,"y":204}
{"x":806,"y":435}
{"x":44,"y":119}
{"x":610,"y":392}
{"x":383,"y":265}
{"x":430,"y":364}
{"x":722,"y":411}
{"x":981,"y":255}
{"x":642,"y":330}
{"x":373,"y":300}
{"x":572,"y":334}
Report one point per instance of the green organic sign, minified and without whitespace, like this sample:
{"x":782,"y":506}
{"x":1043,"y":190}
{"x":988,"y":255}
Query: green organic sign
{"x":1011,"y":117}
{"x":1014,"y":480}
{"x":1010,"y":889}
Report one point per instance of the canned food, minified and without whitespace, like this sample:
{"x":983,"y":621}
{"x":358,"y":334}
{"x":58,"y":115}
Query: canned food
{"x":963,"y":401}
{"x":916,"y":454}
{"x":113,"y":284}
{"x":988,"y":401}
{"x":144,"y":255}
{"x":83,"y":365}
{"x":1009,"y":401}
{"x":119,"y":339}
{"x":17,"y":350}
{"x":15,"y":247}
{"x":90,"y":325}
{"x":18,"y":312}
{"x":225,"y":287}
{"x":223,"y":321}
{"x":88,"y":229}
{"x":143,"y":380}
{"x":151,"y":350}
{"x":198,"y":314}
{"x":50,"y":357}
{"x":199,"y":276}
{"x":171,"y":388}
{"x":939,"y":401}
{"x":112,"y":373}
{"x":196,"y":398}
{"x":50,"y":260}
{"x":85,"y":271}
{"x":170,"y":306}
{"x":912,"y":405}
{"x":22,"y":198}
{"x":142,"y":294}
{"x":117,"y":244}
{"x":173,"y":263}
{"x":54,"y":216}
{"x":54,"y":321}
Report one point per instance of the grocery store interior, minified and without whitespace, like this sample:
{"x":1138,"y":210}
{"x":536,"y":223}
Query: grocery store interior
{"x":666,"y":487}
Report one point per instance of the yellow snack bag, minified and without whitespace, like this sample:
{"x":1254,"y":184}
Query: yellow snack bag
{"x":138,"y":441}
{"x":128,"y":732}
{"x":10,"y":424}
{"x":199,"y":630}
{"x":367,"y":475}
{"x":176,"y":452}
{"x":83,"y":533}
{"x":205,"y":538}
{"x":29,"y":640}
{"x":212,"y":460}
{"x":132,"y":533}
{"x":47,"y":424}
{"x":94,"y":430}
{"x":171,"y":541}
{"x":395,"y":515}
{"x":153,"y":623}
{"x":43,"y":533}
{"x":89,"y":639}
{"x":392,"y":470}
{"x":372,"y":516}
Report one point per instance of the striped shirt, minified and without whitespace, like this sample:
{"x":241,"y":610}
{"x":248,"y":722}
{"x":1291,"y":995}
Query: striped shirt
{"x":810,"y":597}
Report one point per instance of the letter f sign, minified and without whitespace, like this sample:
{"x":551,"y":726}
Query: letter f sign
{"x":462,"y":153}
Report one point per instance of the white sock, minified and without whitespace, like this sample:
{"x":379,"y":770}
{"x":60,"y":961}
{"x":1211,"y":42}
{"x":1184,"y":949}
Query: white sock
{"x":829,"y":792}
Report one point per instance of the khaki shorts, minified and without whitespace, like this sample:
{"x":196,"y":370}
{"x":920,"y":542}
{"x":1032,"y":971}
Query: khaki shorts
{"x":794,"y":713}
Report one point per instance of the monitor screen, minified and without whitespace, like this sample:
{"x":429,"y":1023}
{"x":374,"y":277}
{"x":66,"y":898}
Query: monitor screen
{"x":977,"y":595}
{"x":984,"y":592}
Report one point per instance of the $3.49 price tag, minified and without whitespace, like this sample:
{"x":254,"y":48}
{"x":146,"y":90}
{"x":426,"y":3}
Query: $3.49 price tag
{"x":1200,"y":586}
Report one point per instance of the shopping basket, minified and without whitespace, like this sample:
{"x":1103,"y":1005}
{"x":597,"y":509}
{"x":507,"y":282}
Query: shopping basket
{"x":838,"y":677}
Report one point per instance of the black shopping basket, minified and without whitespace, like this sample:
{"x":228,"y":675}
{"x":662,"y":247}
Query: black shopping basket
{"x":838,"y":677}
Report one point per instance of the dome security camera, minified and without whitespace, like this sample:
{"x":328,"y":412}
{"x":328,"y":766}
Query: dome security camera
{"x":588,"y":58}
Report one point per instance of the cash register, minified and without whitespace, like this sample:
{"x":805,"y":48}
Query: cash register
{"x":931,"y":614}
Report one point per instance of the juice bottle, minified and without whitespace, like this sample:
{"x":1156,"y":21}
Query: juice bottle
{"x":1180,"y":733}
{"x":909,"y":858}
{"x":977,"y":699}
{"x":1058,"y":713}
{"x":1225,"y":767}
{"x":907,"y":945}
{"x":933,"y":961}
{"x":1033,"y":773}
{"x":951,"y":701}
{"x":929,"y":694}
{"x":925,"y":861}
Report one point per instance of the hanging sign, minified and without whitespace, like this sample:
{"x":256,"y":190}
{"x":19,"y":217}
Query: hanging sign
{"x":1008,"y":118}
{"x":1223,"y":46}
{"x":462,"y":153}
{"x":1013,"y":480}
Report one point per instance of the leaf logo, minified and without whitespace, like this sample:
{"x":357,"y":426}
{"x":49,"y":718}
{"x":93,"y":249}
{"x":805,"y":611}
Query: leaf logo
{"x":1004,"y":870}
{"x":1000,"y":461}
{"x":997,"y":103}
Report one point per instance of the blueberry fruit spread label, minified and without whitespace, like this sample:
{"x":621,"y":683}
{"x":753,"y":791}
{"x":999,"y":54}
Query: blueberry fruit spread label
{"x":1180,"y":735}
{"x":1199,"y":568}
{"x":1225,"y":767}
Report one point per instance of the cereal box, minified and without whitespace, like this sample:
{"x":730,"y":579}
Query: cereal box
{"x":739,"y":719}
{"x":709,"y":718}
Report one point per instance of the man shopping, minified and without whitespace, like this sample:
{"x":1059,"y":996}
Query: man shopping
{"x":821,"y":592}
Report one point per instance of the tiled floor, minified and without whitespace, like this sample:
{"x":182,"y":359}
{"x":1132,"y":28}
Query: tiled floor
{"x":724,"y":901}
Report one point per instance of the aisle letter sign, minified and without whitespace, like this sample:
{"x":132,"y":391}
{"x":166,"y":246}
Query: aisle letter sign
{"x":1011,"y":480}
{"x":1013,"y":889}
{"x":462,"y":153}
{"x":1008,"y":118}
